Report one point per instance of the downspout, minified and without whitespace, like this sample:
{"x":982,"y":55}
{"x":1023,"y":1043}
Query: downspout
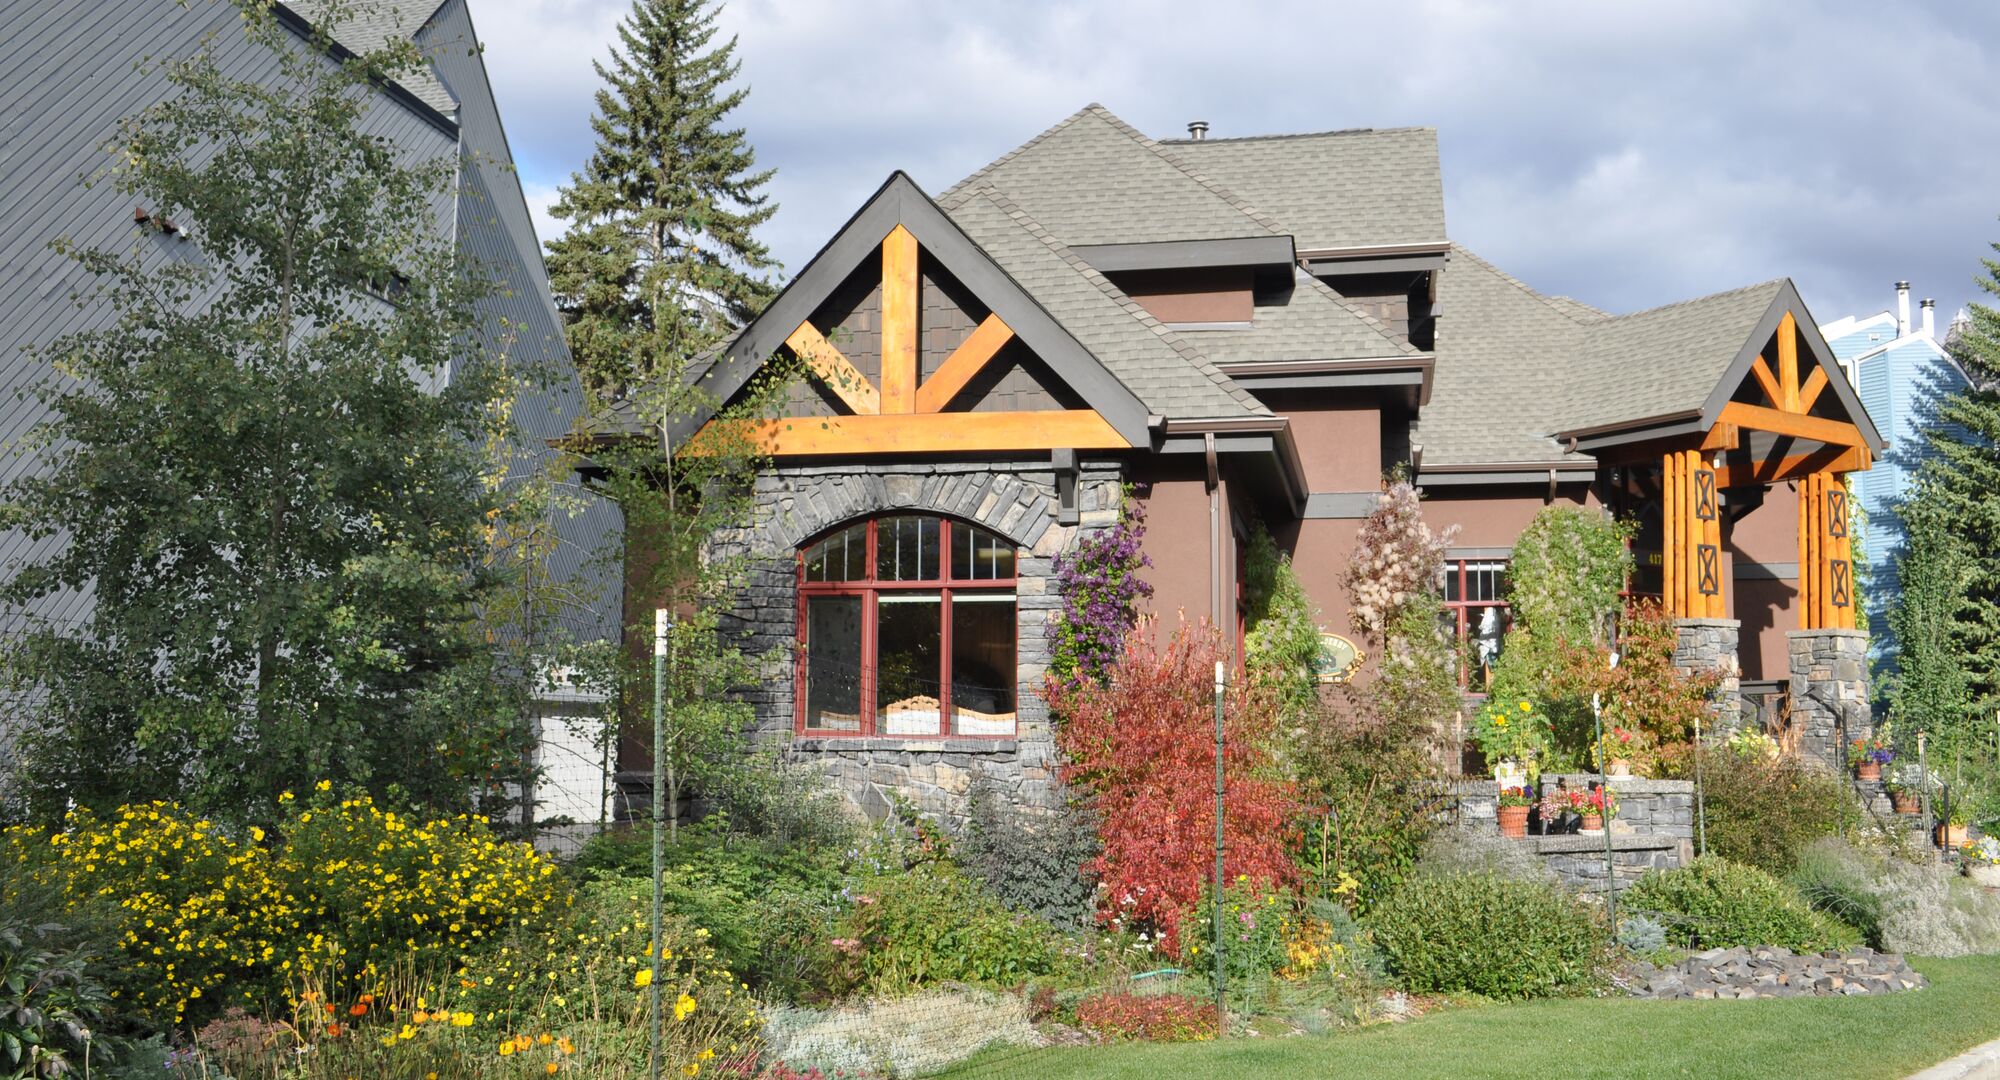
{"x":1214,"y":530}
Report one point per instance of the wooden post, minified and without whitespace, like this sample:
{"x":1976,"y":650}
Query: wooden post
{"x":1670,"y":540}
{"x":1708,"y":554}
{"x":1788,"y":362}
{"x":899,"y":322}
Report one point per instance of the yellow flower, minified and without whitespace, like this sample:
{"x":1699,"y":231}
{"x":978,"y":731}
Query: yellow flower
{"x":642,"y":978}
{"x":683,"y":1007}
{"x":256,"y":834}
{"x":325,"y":785}
{"x":507,"y":1048}
{"x":1525,"y":707}
{"x":690,"y":1069}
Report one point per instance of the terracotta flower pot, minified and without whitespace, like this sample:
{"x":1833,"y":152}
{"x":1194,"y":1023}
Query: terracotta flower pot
{"x":1593,"y":822}
{"x":1951,"y":835}
{"x":1514,"y":821}
{"x":1620,"y":767}
{"x":1906,"y":802}
{"x":1869,"y":770}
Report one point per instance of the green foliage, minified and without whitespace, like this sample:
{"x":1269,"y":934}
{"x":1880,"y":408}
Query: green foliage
{"x":1762,"y":811}
{"x":1900,"y":898}
{"x":1281,"y":643}
{"x":1568,"y":567}
{"x":1715,"y":903}
{"x":58,"y":1015}
{"x":1486,"y":934}
{"x":1254,"y":942}
{"x":1036,"y":865}
{"x":932,"y":924}
{"x":1948,"y":621}
{"x":659,"y":259}
{"x":275,"y":489}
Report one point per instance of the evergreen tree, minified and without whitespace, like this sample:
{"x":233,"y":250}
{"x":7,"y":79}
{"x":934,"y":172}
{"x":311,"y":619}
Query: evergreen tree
{"x":270,"y":486}
{"x":1948,"y":620}
{"x":659,"y":261}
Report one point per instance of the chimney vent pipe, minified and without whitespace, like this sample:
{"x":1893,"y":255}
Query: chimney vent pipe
{"x":1197,"y":130}
{"x":1902,"y":308}
{"x":1930,"y":318}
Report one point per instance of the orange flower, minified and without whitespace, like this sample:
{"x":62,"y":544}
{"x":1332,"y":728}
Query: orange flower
{"x":357,"y":1009}
{"x":545,"y":1038}
{"x":366,"y":999}
{"x":421,"y":1017}
{"x":333,"y":1031}
{"x":551,"y":1070}
{"x":329,"y":1008}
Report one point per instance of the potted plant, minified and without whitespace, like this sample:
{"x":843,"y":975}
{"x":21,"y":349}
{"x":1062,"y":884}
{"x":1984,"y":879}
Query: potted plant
{"x":1869,"y":755}
{"x":1554,"y":811}
{"x":1512,"y":735}
{"x":1952,"y":831}
{"x":1597,"y":806}
{"x":1903,"y":796}
{"x":1514,"y":804}
{"x":1982,"y":861}
{"x":1618,"y":750}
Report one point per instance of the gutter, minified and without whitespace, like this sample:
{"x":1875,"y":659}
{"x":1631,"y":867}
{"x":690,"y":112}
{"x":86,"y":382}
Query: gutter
{"x":1291,"y":470}
{"x":1250,"y":371}
{"x":1431,"y":247}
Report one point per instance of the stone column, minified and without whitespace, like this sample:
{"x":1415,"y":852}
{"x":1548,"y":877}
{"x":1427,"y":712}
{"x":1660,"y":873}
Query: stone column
{"x":1708,"y":646}
{"x":1829,"y":691}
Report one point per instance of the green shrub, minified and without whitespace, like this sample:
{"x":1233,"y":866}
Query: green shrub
{"x":1485,"y":934}
{"x":1148,"y":1017}
{"x":1902,"y":899}
{"x":1254,"y":941}
{"x":1717,"y":903}
{"x":932,"y":924}
{"x":1835,"y":881}
{"x":1763,"y":811}
{"x":1034,"y":865}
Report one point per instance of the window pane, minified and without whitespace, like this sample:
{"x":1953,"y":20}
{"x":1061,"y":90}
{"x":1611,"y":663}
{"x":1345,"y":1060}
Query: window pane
{"x":982,"y":664}
{"x":908,"y":636}
{"x":1451,"y":582}
{"x":978,"y":555}
{"x":833,"y":663}
{"x":840,"y":557}
{"x":1482,"y":580}
{"x":906,"y":549}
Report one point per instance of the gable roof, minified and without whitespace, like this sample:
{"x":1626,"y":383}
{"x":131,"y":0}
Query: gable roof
{"x":1061,"y":178}
{"x":1334,"y":189}
{"x":728,"y":366}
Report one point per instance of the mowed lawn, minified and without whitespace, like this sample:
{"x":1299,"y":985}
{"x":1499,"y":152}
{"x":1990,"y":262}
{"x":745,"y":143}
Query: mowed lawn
{"x":1873,"y":1037}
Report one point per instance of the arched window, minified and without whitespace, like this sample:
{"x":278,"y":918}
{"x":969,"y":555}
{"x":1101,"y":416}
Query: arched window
{"x":907,"y":628}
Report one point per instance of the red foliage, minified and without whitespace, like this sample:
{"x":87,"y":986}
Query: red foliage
{"x":1144,"y":746}
{"x":1153,"y":1017}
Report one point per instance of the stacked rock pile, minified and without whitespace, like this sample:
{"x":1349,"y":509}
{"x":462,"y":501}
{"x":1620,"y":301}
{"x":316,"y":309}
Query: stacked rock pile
{"x":1773,"y":972}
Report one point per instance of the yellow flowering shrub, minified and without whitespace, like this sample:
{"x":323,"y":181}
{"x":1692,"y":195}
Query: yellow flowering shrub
{"x":341,"y":891}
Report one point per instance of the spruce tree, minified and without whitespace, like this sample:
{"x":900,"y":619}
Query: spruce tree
{"x":1948,"y":619}
{"x":659,"y":259}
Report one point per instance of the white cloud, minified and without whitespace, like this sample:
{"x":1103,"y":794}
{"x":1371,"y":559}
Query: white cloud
{"x":1629,"y":154}
{"x":540,"y":197}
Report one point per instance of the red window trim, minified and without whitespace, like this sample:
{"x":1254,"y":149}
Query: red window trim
{"x":867,"y":588}
{"x":1461,"y":613}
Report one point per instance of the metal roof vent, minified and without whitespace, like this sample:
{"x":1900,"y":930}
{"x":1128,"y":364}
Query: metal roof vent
{"x":1197,"y":130}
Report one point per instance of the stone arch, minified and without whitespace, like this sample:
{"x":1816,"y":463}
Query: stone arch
{"x":802,"y":507}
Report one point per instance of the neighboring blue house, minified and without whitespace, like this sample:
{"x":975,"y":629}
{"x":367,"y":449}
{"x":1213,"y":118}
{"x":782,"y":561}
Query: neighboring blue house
{"x":1901,"y":372}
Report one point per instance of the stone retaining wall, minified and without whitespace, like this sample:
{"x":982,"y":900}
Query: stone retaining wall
{"x":1709,"y":646}
{"x":1654,"y":829}
{"x":1829,"y":692}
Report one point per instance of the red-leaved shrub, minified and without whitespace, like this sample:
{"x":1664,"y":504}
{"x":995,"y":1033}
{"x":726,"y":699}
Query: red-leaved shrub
{"x":1143,"y":746}
{"x":1152,"y":1017}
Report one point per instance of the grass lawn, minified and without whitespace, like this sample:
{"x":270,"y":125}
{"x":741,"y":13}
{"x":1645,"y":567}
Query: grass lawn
{"x":1889,"y":1036}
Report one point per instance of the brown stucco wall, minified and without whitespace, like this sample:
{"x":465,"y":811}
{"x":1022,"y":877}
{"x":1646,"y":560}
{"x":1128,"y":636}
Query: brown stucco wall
{"x":1493,"y":517}
{"x":1191,"y":296}
{"x":1175,"y":493}
{"x":1339,"y":439}
{"x":1320,"y":550}
{"x":1769,"y":536}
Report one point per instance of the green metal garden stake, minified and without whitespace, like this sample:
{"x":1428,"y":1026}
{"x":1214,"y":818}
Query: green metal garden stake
{"x":1221,"y":988}
{"x":662,"y":623}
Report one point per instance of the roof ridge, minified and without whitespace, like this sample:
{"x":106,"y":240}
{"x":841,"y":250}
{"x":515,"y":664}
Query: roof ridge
{"x":1739,"y":290}
{"x":1510,"y":279}
{"x":1374,"y":323}
{"x":951,"y":195}
{"x":1193,"y":356}
{"x":1234,"y":200}
{"x":1279,"y":135}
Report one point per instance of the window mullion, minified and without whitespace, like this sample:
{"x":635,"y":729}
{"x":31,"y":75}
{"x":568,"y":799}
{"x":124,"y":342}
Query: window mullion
{"x":944,"y":660}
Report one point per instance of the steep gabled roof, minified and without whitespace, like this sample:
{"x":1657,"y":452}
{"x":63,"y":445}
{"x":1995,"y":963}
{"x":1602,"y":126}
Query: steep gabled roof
{"x":1311,"y":323}
{"x":1092,"y":179}
{"x":1333,"y":189}
{"x":1172,"y":378}
{"x":369,"y":26}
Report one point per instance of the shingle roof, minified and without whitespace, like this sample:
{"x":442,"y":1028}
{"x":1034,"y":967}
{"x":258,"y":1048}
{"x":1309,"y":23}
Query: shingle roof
{"x":1311,"y":323}
{"x":1514,"y":367}
{"x":1661,"y":361}
{"x":1502,"y":349}
{"x":1166,"y":373}
{"x":1092,"y":179}
{"x":368,"y":26}
{"x":1334,"y":189}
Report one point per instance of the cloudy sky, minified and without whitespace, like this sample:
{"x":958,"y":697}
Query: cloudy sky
{"x":1629,"y":154}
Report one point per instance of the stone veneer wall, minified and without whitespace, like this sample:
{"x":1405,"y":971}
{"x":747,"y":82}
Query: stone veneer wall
{"x":1016,"y":500}
{"x":1829,"y":691}
{"x":1710,"y":645}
